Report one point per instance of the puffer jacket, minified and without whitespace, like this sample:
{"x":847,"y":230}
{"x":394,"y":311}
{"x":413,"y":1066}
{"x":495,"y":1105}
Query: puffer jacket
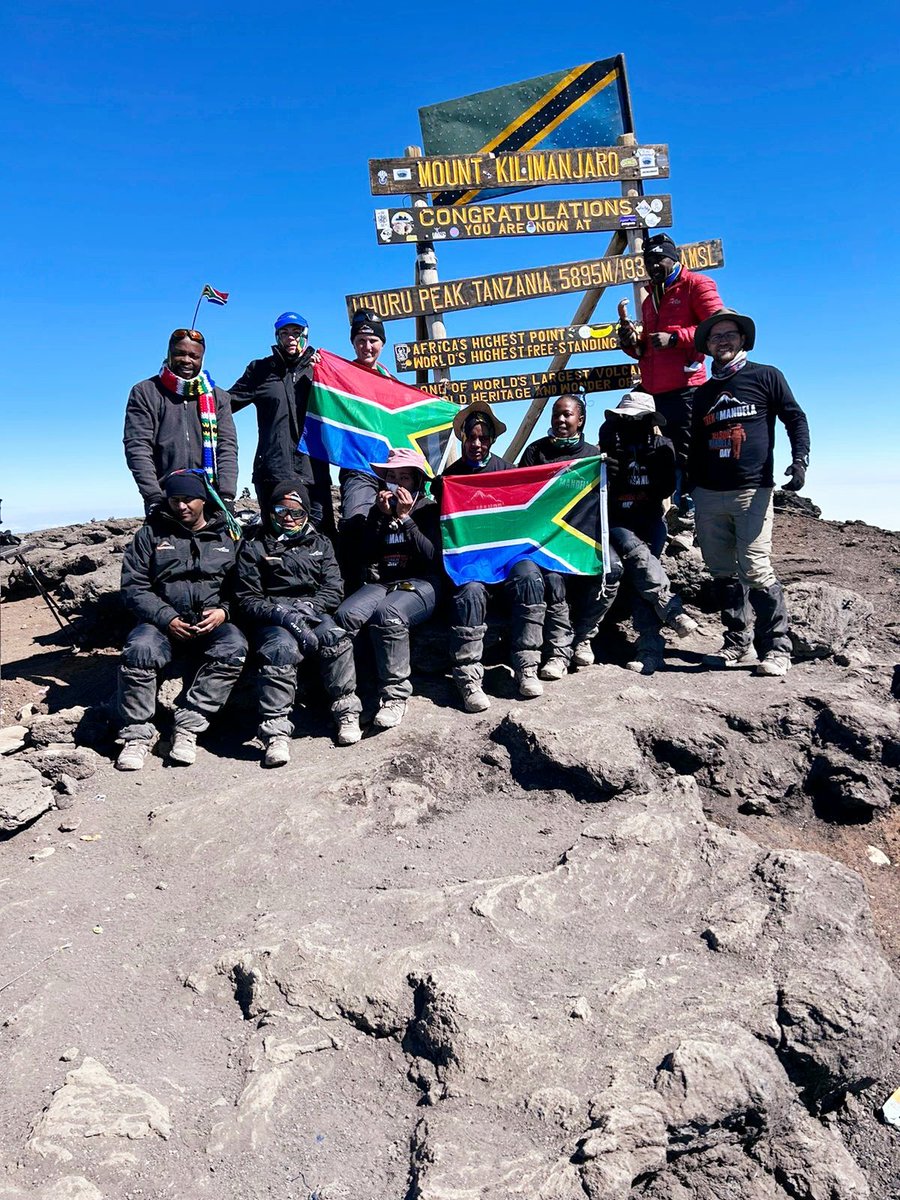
{"x":271,"y":572}
{"x":163,"y":434}
{"x":279,"y":390}
{"x":171,"y":571}
{"x":684,"y":304}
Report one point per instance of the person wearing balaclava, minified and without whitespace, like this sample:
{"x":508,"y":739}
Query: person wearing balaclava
{"x":178,"y":420}
{"x":278,"y":387}
{"x":178,"y":581}
{"x":677,"y":301}
{"x":359,"y":488}
{"x":576,"y":604}
{"x":288,"y":587}
{"x":477,"y":428}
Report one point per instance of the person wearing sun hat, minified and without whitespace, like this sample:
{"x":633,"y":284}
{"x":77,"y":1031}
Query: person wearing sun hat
{"x":288,"y":587}
{"x":402,"y":555}
{"x":478,"y":428}
{"x":677,"y":299}
{"x":179,"y":420}
{"x":732,"y":472}
{"x":640,"y":469}
{"x":278,"y":387}
{"x":178,"y":581}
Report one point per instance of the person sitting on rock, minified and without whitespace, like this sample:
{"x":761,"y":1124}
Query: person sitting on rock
{"x":288,"y":586}
{"x":177,"y":579}
{"x":640,"y":466}
{"x":478,"y":428}
{"x":402,"y":547}
{"x":568,"y":637}
{"x":278,"y":387}
{"x":178,"y":420}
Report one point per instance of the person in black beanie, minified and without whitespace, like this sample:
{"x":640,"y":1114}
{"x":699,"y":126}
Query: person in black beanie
{"x":732,"y":472}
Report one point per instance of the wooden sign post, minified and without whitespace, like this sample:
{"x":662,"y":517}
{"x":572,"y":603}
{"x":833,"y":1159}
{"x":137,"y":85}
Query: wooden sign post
{"x":505,"y":346}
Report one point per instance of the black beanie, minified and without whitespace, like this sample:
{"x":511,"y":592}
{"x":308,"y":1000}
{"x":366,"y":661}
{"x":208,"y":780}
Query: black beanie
{"x":185,"y":483}
{"x":661,"y":245}
{"x":288,"y":487}
{"x":365,"y":321}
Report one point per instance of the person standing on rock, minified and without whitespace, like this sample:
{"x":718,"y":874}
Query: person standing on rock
{"x":177,"y":579}
{"x":288,"y":587}
{"x":178,"y":420}
{"x":402,"y":548}
{"x":640,"y":466}
{"x":676,"y":301}
{"x":278,"y":387}
{"x":576,"y":604}
{"x":732,"y":472}
{"x":523,"y":589}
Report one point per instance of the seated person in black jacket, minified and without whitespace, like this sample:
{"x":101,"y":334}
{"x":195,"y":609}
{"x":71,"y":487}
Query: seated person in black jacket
{"x":177,"y":579}
{"x":478,"y":428}
{"x":288,"y":584}
{"x":576,"y":604}
{"x":402,"y":549}
{"x":641,"y":475}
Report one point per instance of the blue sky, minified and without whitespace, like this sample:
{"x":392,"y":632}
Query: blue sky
{"x":150,"y":149}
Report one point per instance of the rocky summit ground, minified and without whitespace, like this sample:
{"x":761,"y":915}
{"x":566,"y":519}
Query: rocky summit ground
{"x":639,"y":938}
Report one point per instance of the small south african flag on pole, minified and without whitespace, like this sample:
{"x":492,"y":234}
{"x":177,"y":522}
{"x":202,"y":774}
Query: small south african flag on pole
{"x":214,"y":297}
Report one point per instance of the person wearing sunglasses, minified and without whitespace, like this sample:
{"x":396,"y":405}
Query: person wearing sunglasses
{"x":278,"y":387}
{"x":731,"y":468}
{"x":288,"y":587}
{"x":178,"y":420}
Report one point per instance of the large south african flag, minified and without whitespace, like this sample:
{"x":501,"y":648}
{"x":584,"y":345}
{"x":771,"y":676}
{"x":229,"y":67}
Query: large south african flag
{"x":355,"y":417}
{"x":554,"y":514}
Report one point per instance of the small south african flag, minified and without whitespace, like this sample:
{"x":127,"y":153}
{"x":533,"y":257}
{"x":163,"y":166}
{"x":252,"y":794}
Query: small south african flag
{"x":210,"y":293}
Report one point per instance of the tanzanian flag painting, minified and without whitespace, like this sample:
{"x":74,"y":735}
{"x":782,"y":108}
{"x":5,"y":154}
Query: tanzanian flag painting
{"x":580,"y":106}
{"x":554,"y":514}
{"x":355,"y":417}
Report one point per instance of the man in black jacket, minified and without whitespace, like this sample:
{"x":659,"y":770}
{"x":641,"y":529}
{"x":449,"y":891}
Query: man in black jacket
{"x":278,"y":387}
{"x":732,"y":471}
{"x":288,"y":586}
{"x":178,"y":420}
{"x":177,"y":577}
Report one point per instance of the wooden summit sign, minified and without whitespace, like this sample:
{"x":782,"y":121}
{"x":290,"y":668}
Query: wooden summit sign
{"x":501,"y":388}
{"x":507,"y":346}
{"x":533,"y":168}
{"x":397,"y":226}
{"x":481,"y":291}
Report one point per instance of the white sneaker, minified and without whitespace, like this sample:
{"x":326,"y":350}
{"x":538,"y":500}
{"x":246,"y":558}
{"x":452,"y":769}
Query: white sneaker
{"x":683,"y":625}
{"x":184,"y":748}
{"x":475,"y":700}
{"x":278,"y":751}
{"x":774,"y":663}
{"x":390,"y":714}
{"x":553,"y":668}
{"x":530,"y":687}
{"x":132,"y":755}
{"x":582,"y":655}
{"x":348,"y":730}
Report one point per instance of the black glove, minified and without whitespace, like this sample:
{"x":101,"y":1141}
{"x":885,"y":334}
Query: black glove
{"x":612,"y":467}
{"x":797,"y":471}
{"x":228,"y":501}
{"x":151,"y":506}
{"x":305,"y":609}
{"x":297,"y":625}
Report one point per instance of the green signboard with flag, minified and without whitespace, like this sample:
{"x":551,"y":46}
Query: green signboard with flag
{"x":580,"y":106}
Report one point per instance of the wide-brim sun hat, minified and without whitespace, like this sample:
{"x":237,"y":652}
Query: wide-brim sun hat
{"x":470,"y":410}
{"x":744,"y":324}
{"x":402,"y":459}
{"x":637,"y":404}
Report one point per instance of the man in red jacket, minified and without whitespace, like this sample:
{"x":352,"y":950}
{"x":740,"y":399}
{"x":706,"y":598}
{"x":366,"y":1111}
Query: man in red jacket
{"x":676,"y":302}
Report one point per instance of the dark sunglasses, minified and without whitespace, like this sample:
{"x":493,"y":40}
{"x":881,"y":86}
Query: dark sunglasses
{"x":281,"y":510}
{"x":193,"y":334}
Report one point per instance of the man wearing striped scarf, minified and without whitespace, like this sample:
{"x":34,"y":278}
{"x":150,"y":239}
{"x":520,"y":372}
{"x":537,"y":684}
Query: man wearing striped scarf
{"x":178,"y":420}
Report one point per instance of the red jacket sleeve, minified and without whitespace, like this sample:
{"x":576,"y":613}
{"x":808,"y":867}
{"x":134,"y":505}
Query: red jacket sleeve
{"x":705,"y":300}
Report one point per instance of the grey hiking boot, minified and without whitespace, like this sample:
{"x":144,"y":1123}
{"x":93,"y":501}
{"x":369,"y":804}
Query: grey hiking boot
{"x":348,"y":730}
{"x":132,"y":755}
{"x":474,"y":700}
{"x":278,"y":751}
{"x":645,"y":663}
{"x":683,"y":625}
{"x":530,"y":687}
{"x":732,"y":656}
{"x":774,"y":663}
{"x":390,"y":714}
{"x":184,"y":748}
{"x":583,"y":655}
{"x":553,"y":668}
